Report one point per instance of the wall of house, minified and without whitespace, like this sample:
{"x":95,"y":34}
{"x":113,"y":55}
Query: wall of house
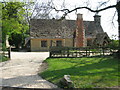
{"x":36,"y":44}
{"x":69,"y":42}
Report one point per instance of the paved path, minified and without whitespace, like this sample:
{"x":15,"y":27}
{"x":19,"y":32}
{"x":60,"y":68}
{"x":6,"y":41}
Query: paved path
{"x":22,"y":69}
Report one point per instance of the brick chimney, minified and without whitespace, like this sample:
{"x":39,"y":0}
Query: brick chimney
{"x":80,"y":32}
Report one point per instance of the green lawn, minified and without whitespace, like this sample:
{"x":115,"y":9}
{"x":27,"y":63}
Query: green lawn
{"x":3,"y":58}
{"x":85,"y":72}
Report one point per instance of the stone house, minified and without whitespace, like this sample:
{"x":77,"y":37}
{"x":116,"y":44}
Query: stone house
{"x":45,"y":33}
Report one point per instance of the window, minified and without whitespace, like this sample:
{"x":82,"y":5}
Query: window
{"x":59,"y":43}
{"x":89,"y":42}
{"x":44,"y":43}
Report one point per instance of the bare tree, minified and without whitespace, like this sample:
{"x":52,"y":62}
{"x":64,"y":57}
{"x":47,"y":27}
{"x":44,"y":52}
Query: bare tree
{"x":37,"y":10}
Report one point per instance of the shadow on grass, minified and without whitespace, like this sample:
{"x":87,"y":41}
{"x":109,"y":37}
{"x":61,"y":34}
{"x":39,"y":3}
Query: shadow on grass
{"x":104,"y":68}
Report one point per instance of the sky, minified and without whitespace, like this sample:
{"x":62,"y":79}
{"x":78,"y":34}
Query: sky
{"x":109,"y":24}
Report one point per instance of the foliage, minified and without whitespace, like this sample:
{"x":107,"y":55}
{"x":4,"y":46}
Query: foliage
{"x":15,"y":39}
{"x":114,"y":43}
{"x":4,"y":47}
{"x":16,"y":19}
{"x":13,"y":21}
{"x":3,"y":58}
{"x":85,"y":72}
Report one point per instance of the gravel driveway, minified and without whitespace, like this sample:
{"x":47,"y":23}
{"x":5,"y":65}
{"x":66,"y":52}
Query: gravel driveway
{"x":22,"y":69}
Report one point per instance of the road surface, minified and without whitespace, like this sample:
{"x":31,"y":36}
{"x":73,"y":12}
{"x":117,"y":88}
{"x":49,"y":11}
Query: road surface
{"x":22,"y":70}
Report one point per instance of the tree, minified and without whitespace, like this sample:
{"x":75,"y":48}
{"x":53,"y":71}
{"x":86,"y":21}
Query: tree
{"x":16,"y":18}
{"x":16,"y":39}
{"x":118,"y":10}
{"x":38,"y":10}
{"x":114,"y":44}
{"x":13,"y":22}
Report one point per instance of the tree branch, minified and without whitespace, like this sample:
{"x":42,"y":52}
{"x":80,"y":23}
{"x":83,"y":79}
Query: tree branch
{"x":66,"y":11}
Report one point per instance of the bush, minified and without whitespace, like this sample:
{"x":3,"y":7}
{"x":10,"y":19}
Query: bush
{"x":4,"y":47}
{"x":114,"y":44}
{"x":3,"y":58}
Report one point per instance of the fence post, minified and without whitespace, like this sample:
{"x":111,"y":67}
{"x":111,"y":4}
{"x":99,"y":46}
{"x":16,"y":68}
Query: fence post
{"x":86,"y":51}
{"x":89,"y":51}
{"x":103,"y":51}
{"x":76,"y":52}
{"x":9,"y":52}
{"x":50,"y":52}
{"x":67,"y":52}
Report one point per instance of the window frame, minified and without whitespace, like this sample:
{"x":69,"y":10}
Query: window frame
{"x":59,"y":43}
{"x":43,"y":43}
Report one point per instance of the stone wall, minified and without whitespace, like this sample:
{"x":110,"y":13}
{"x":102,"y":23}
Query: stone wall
{"x":69,"y":42}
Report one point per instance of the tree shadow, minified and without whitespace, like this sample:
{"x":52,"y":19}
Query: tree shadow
{"x":91,"y":69}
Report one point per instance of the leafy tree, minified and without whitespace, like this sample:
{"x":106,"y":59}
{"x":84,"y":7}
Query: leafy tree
{"x":14,"y":22}
{"x":16,"y":39}
{"x":16,"y":18}
{"x":114,"y":43}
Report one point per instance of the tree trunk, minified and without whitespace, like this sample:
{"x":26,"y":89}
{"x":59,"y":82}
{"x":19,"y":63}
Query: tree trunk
{"x":118,"y":10}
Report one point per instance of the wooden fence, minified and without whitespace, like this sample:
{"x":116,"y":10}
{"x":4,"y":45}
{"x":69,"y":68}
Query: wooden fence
{"x":80,"y":52}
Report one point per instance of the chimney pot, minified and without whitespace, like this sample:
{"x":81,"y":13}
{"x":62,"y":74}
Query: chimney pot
{"x":97,"y":19}
{"x":79,"y":16}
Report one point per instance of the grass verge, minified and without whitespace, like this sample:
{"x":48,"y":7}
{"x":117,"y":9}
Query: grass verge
{"x":85,"y":72}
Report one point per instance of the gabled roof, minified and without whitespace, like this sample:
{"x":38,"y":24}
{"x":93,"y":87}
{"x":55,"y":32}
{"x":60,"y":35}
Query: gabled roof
{"x":51,"y":28}
{"x":100,"y":37}
{"x":45,"y":28}
{"x":91,"y":28}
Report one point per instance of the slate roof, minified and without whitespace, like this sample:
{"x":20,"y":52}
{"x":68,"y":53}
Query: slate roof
{"x":91,"y":28}
{"x":51,"y":28}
